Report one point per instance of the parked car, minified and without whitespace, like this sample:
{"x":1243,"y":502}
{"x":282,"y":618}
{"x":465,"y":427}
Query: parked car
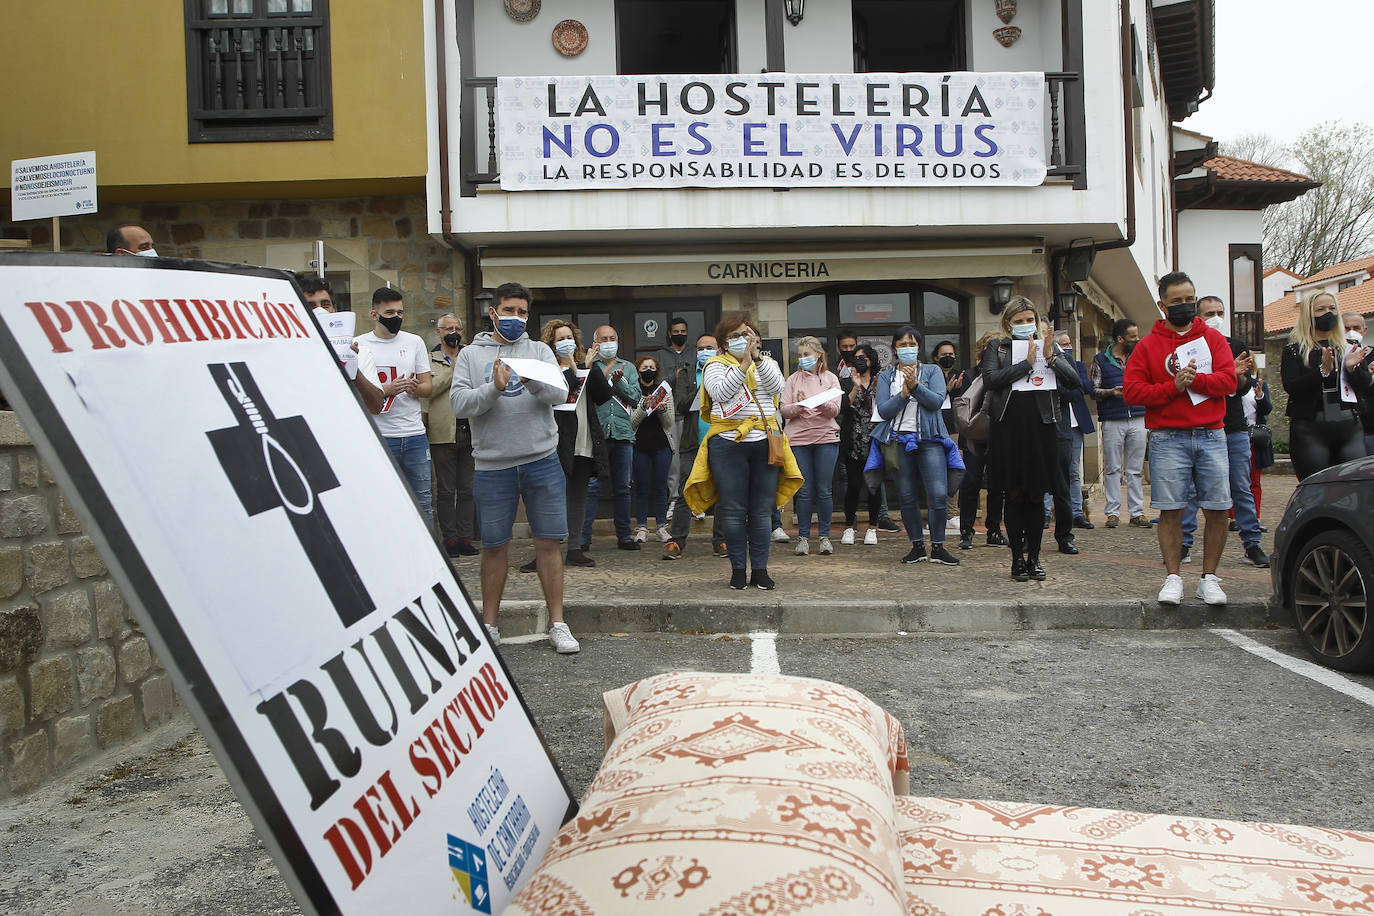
{"x":1323,"y":564}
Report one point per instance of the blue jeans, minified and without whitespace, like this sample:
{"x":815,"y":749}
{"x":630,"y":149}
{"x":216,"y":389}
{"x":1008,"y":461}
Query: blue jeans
{"x":748,"y":488}
{"x":650,"y":492}
{"x":1187,"y":464}
{"x":622,"y":461}
{"x":817,"y":463}
{"x":412,"y":454}
{"x":1242,"y":498}
{"x":1074,"y":444}
{"x":928,"y":466}
{"x":543,"y":487}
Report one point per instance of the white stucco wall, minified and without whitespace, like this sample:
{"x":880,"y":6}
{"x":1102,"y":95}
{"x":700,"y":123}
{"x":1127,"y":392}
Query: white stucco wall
{"x":1204,"y":240}
{"x":1039,"y":47}
{"x":823,"y":42}
{"x":505,"y":47}
{"x":1277,"y":285}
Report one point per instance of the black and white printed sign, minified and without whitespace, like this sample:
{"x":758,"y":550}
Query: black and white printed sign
{"x":198,"y":418}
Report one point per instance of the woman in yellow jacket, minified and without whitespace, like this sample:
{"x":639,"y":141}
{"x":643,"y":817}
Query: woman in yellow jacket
{"x":739,"y":394}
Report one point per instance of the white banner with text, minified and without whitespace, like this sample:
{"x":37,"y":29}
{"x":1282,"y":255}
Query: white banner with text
{"x":772,"y":130}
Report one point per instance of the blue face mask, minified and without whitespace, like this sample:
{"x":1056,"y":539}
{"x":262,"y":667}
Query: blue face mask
{"x":738,"y":345}
{"x":907,"y":355}
{"x":1023,"y":331}
{"x":510,"y":327}
{"x":703,"y":356}
{"x":807,"y":362}
{"x":609,"y":348}
{"x":566,"y":347}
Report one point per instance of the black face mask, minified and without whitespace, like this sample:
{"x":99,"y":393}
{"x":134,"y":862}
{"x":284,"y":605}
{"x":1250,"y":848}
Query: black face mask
{"x":648,"y":377}
{"x":392,"y":324}
{"x":847,"y":356}
{"x":860,"y":365}
{"x":453,"y":340}
{"x":1182,"y":313}
{"x":946,"y":362}
{"x":678,"y":340}
{"x":1325,"y":322}
{"x":1128,"y":346}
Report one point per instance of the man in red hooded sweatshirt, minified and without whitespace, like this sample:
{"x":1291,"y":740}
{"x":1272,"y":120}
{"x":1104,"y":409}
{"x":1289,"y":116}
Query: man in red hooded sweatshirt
{"x":1182,"y":372}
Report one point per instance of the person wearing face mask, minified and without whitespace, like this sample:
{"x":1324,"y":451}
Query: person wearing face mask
{"x":1023,"y":456}
{"x":1185,"y":410}
{"x":909,"y":397}
{"x":739,"y":393}
{"x":848,"y":347}
{"x":450,"y":446}
{"x":652,"y":421}
{"x":401,"y":363}
{"x":814,"y":435}
{"x":677,"y":360}
{"x":947,"y":358}
{"x":1075,"y":421}
{"x":1123,"y":427}
{"x":1355,"y":331}
{"x":515,"y":450}
{"x":687,"y":405}
{"x":1325,"y":377}
{"x":581,"y":445}
{"x":856,"y":427}
{"x":614,"y":417}
{"x":129,"y":238}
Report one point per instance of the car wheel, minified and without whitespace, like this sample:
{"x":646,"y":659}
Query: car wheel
{"x":1330,"y":590}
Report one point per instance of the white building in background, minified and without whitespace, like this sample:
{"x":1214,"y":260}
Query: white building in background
{"x":808,"y":259}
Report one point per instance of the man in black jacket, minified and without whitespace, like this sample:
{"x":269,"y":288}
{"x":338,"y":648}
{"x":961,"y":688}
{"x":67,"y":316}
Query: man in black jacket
{"x":1213,"y":311}
{"x":1355,"y":332}
{"x":687,"y":404}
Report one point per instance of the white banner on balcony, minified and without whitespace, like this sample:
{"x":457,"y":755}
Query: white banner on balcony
{"x":778,"y":130}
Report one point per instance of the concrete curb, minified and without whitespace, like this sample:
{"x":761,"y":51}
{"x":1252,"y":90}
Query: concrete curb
{"x":743,"y":615}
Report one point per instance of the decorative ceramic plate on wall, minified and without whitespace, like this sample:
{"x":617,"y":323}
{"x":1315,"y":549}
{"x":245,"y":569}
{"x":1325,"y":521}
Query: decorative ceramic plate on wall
{"x":522,"y":10}
{"x":570,"y":38}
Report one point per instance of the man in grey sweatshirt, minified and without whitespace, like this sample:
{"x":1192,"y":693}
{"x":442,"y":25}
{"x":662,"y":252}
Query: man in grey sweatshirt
{"x":515,"y":454}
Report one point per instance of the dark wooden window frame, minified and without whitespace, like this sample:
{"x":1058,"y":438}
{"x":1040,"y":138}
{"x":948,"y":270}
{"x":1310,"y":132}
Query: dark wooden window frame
{"x":832,"y":295}
{"x":261,"y":96}
{"x":1247,"y":326}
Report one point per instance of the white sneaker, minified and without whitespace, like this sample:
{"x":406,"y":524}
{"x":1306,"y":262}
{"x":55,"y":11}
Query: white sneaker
{"x":669,"y":516}
{"x":847,"y":539}
{"x":641,"y":534}
{"x":780,"y":536}
{"x":952,"y":524}
{"x":562,"y":639}
{"x":826,"y":548}
{"x":699,"y":516}
{"x":803,"y":548}
{"x":871,"y":537}
{"x":1209,"y":590}
{"x":494,"y":633}
{"x":664,"y":534}
{"x":1172,"y":592}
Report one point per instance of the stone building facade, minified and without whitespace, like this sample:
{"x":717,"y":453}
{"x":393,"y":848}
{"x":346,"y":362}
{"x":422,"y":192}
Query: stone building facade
{"x":372,"y":240}
{"x":77,"y":675}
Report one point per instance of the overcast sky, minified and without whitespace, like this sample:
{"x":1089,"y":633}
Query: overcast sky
{"x":1284,"y":66}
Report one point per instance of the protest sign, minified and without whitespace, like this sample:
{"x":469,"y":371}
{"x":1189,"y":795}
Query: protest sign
{"x":52,"y":186}
{"x":197,"y":417}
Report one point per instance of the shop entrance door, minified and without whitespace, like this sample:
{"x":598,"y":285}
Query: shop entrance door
{"x":641,"y":325}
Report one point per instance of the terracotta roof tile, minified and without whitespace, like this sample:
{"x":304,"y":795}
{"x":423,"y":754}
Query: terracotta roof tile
{"x":1276,"y":269}
{"x":1229,"y":168}
{"x":1340,"y":270}
{"x":1281,"y":314}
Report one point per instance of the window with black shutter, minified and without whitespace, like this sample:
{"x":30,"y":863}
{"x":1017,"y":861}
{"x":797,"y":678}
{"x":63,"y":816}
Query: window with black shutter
{"x":258,"y":70}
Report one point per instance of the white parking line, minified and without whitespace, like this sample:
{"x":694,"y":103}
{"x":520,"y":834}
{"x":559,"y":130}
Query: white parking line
{"x":1313,"y":672}
{"x":763,"y":655}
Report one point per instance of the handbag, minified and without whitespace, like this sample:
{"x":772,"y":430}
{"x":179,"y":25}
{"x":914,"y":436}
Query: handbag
{"x":971,"y":419}
{"x":1261,"y":437}
{"x":777,"y":443}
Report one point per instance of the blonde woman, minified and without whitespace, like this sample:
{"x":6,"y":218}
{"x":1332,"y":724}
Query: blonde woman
{"x":1324,"y":376}
{"x":814,"y":433}
{"x":1023,"y":454}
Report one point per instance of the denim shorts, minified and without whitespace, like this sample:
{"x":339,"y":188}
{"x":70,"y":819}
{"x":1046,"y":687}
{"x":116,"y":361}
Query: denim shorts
{"x":1183,"y":461}
{"x":498,"y":494}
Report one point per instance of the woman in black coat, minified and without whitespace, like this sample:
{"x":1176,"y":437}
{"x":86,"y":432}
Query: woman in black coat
{"x":1023,"y":449}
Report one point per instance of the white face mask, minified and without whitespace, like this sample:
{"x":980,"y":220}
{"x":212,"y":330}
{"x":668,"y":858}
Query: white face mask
{"x":1217,"y":323}
{"x":146,"y":253}
{"x":1354,"y":339}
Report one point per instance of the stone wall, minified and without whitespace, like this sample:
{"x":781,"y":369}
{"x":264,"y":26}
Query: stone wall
{"x":76,"y":673}
{"x":1273,"y":359}
{"x":388,"y":234}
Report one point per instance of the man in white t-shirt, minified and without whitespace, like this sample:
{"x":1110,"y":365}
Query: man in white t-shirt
{"x":400,"y":361}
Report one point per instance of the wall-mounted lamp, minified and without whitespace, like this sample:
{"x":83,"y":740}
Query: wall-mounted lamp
{"x":794,"y":10}
{"x":483,"y":301}
{"x":1066,"y":301}
{"x":1001,"y":294}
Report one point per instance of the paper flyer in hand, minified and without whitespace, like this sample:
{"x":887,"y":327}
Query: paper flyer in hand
{"x":535,"y":370}
{"x":1198,"y":352}
{"x":575,"y":394}
{"x":825,"y":397}
{"x":1042,"y":377}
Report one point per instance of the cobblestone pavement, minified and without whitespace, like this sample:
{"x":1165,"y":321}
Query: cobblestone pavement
{"x":1121,"y":563}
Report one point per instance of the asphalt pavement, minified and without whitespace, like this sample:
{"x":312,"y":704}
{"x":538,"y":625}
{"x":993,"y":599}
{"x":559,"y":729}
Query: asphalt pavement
{"x":1181,"y":721}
